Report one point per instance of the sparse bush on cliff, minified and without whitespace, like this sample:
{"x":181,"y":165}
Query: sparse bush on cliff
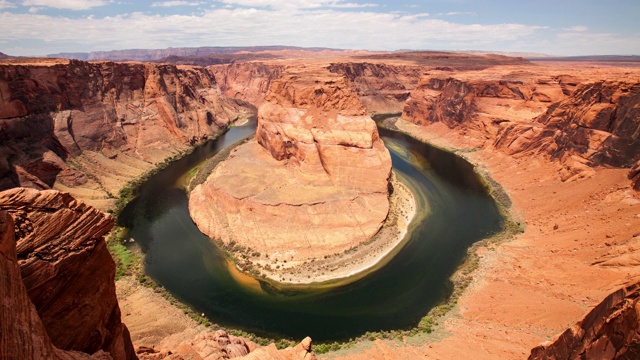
{"x":123,"y":258}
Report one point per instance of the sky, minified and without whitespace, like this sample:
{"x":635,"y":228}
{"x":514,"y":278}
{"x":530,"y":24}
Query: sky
{"x":553,"y":27}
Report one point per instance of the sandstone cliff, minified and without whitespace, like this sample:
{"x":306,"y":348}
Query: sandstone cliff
{"x":302,"y":351}
{"x":314,"y":183}
{"x":248,"y":81}
{"x":598,"y":124}
{"x":220,"y":346}
{"x":478,"y":103}
{"x":610,"y":331}
{"x":98,"y":125}
{"x":67,"y":274}
{"x":313,"y":120}
{"x":23,"y":335}
{"x":382,"y":88}
{"x":581,"y":122}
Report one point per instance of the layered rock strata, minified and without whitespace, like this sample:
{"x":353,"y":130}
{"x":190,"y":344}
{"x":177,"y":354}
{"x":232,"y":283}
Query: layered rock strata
{"x":73,"y":124}
{"x":382,"y":88}
{"x":218,"y":345}
{"x":610,"y":331}
{"x":478,"y":104}
{"x":248,"y":81}
{"x":315,"y":181}
{"x":583,"y":123}
{"x":598,"y":124}
{"x":23,"y":335}
{"x":67,"y":272}
{"x":221,"y":346}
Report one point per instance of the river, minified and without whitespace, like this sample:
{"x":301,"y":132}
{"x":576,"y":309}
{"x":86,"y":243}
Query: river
{"x":397,"y":296}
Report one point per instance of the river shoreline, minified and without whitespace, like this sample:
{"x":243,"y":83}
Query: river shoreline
{"x":356,"y":262}
{"x":527,"y":290}
{"x":345,"y":267}
{"x":402,"y":188}
{"x":340,"y":268}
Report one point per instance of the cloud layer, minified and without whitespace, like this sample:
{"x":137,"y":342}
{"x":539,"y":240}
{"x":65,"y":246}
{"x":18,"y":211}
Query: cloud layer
{"x":66,"y":4}
{"x":317,"y":23}
{"x":176,"y":3}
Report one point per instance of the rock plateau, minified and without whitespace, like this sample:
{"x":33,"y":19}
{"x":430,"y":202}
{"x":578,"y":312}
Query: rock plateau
{"x":313,"y":183}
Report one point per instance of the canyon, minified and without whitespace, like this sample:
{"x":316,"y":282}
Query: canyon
{"x":90,"y":128}
{"x":315,"y":182}
{"x":561,"y":138}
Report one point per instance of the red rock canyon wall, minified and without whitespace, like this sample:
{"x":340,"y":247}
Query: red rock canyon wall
{"x":67,"y":272}
{"x":53,"y":112}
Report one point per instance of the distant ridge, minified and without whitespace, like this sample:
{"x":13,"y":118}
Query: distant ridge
{"x":5,"y":56}
{"x":526,"y":55}
{"x":157,"y":54}
{"x":592,"y":58}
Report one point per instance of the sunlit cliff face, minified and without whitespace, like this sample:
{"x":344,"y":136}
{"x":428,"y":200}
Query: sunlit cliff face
{"x":315,"y":181}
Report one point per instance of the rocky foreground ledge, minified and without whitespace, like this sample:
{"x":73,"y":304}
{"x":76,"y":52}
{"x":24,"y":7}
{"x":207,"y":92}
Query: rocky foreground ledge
{"x":58,"y":290}
{"x":58,"y":294}
{"x":609,"y":331}
{"x":314,"y":184}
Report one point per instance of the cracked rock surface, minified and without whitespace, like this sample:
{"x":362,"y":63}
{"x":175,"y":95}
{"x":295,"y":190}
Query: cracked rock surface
{"x":64,"y":264}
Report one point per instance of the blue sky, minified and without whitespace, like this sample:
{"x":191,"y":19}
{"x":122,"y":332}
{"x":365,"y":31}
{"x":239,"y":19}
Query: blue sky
{"x":558,"y":27}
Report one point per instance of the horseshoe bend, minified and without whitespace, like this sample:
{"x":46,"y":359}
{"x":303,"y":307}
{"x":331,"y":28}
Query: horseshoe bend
{"x":554,"y":143}
{"x":314,"y":182}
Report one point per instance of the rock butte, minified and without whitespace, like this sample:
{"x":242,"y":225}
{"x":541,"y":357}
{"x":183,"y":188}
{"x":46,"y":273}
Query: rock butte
{"x":560,"y":137}
{"x":315,"y":181}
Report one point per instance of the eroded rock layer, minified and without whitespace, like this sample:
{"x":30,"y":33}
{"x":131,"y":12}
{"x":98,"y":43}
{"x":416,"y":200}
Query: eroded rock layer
{"x":246,"y":81}
{"x":598,"y":124}
{"x":582,"y":122}
{"x":67,"y":270}
{"x":610,"y":331}
{"x":98,"y":125}
{"x":382,"y":88}
{"x":23,"y":336}
{"x":314,"y":183}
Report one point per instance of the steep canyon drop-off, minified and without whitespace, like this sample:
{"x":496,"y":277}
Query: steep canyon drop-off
{"x":89,"y":128}
{"x":58,"y":279}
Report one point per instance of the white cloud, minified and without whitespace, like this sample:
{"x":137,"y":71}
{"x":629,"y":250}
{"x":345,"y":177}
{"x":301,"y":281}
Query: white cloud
{"x":351,"y":5}
{"x":38,"y":34}
{"x":176,"y":3}
{"x":454,"y":13}
{"x":251,"y":26}
{"x":66,"y":4}
{"x":5,"y":4}
{"x":578,"y":28}
{"x":296,"y":4}
{"x":33,"y":10}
